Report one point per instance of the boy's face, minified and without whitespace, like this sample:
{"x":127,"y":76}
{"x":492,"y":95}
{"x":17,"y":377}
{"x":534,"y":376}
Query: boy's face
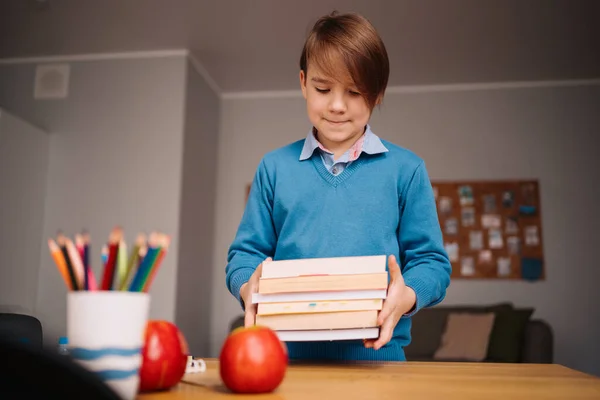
{"x":334,"y":107}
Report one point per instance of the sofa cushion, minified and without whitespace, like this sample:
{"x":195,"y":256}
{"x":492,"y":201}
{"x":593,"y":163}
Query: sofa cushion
{"x":426,"y":333}
{"x":429,"y":323}
{"x":507,"y":336}
{"x":466,"y":337}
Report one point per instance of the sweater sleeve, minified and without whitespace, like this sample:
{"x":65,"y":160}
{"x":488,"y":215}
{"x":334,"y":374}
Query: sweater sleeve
{"x":255,"y":239}
{"x":425,"y":264}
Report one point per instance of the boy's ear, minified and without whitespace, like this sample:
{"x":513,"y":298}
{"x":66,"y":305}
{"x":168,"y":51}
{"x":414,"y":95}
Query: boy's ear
{"x":303,"y":83}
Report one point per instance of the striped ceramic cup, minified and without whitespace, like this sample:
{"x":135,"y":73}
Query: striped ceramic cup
{"x":106,"y":334}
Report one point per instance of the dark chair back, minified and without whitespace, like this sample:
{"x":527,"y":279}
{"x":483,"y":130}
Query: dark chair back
{"x":21,"y":328}
{"x":29,"y":373}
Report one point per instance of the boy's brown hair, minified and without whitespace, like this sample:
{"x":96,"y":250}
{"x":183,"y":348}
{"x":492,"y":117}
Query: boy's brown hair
{"x":352,"y":38}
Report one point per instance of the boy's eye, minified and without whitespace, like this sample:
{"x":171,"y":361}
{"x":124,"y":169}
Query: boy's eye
{"x":322,"y":90}
{"x":354,"y":93}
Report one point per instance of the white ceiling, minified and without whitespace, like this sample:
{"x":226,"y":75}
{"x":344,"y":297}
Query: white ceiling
{"x":255,"y":44}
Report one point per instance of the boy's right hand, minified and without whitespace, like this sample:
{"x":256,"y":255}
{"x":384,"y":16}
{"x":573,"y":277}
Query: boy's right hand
{"x":246,"y":292}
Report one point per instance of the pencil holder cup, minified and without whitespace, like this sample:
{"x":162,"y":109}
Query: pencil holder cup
{"x":106,"y":335}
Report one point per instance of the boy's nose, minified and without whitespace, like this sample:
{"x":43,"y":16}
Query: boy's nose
{"x":337,"y":104}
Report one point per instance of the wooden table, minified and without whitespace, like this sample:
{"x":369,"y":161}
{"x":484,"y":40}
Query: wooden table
{"x":403,"y":381}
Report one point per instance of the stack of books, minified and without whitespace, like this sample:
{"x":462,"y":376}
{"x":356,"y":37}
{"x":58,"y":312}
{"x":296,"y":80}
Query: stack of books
{"x":322,"y":298}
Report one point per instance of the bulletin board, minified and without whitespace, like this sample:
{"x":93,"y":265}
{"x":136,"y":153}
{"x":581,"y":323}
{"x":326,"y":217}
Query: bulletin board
{"x":492,"y":229}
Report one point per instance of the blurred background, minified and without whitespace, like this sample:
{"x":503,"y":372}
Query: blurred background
{"x":154,"y":114}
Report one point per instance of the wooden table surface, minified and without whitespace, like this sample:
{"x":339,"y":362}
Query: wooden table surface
{"x":403,"y":381}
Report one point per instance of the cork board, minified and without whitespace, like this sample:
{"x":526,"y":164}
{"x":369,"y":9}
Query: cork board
{"x":492,"y":229}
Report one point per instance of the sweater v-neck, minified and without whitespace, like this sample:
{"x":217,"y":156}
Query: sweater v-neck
{"x":335,"y":180}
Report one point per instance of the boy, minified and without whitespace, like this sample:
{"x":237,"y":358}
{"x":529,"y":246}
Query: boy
{"x":342,"y":191}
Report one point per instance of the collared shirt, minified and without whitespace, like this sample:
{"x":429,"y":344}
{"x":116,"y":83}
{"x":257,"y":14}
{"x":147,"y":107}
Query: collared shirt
{"x":368,"y":143}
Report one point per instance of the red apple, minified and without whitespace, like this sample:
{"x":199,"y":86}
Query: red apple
{"x":164,"y":356}
{"x":253,"y":360}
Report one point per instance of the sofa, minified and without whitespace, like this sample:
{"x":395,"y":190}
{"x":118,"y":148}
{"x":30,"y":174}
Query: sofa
{"x":513,"y":337}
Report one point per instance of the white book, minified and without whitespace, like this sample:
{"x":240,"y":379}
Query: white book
{"x":319,"y":296}
{"x":328,"y":335}
{"x":324,"y":266}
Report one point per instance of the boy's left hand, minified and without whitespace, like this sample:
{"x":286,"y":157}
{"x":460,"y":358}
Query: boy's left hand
{"x":400,"y":300}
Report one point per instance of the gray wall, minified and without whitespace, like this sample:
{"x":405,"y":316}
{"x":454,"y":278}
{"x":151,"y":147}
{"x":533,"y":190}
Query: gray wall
{"x":23,"y":172}
{"x":545,"y":133}
{"x":197,"y":204}
{"x":115,"y":158}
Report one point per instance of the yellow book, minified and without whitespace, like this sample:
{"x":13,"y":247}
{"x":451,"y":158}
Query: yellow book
{"x":335,"y":320}
{"x":318,"y":283}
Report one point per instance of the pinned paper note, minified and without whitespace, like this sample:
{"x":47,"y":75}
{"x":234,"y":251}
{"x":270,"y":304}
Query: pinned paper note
{"x":489,"y":203}
{"x":491,"y":221}
{"x":467,"y":266}
{"x":476,"y":240}
{"x":504,"y":266}
{"x":485,"y":257}
{"x":451,"y":226}
{"x":514,"y":245}
{"x":531,"y":236}
{"x":468,"y":216}
{"x":531,"y":268}
{"x":495,"y":239}
{"x":508,"y":198}
{"x":445,"y":205}
{"x":527,"y":210}
{"x":511,"y":226}
{"x":452,"y":250}
{"x":465,"y":193}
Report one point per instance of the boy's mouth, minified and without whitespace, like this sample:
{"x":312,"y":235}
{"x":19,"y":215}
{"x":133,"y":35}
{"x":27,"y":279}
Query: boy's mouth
{"x":336,"y":122}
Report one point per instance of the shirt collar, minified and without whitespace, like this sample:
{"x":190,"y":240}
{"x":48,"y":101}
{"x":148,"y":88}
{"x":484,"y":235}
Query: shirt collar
{"x":371,"y":145}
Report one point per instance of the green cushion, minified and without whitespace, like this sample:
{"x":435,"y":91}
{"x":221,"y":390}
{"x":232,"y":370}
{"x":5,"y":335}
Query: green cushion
{"x":506,"y":338}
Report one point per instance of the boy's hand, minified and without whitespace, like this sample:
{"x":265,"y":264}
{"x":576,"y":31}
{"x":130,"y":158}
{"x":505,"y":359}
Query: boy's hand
{"x":246,"y":292}
{"x":400,"y":300}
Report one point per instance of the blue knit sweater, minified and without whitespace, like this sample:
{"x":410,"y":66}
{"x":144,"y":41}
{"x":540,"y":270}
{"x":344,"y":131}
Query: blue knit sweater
{"x":380,"y":204}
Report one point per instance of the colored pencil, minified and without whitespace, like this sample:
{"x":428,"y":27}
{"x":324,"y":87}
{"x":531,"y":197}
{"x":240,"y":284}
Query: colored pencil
{"x":121,"y":263}
{"x":143,"y":252}
{"x":75,"y":262}
{"x":93,"y":285}
{"x":80,"y":245}
{"x":134,"y":256}
{"x":109,"y":269}
{"x":142,"y":273}
{"x":60,"y":262}
{"x":166,"y":241}
{"x":104,"y":255}
{"x":61,"y":241}
{"x":91,"y":278}
{"x":86,"y":248}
